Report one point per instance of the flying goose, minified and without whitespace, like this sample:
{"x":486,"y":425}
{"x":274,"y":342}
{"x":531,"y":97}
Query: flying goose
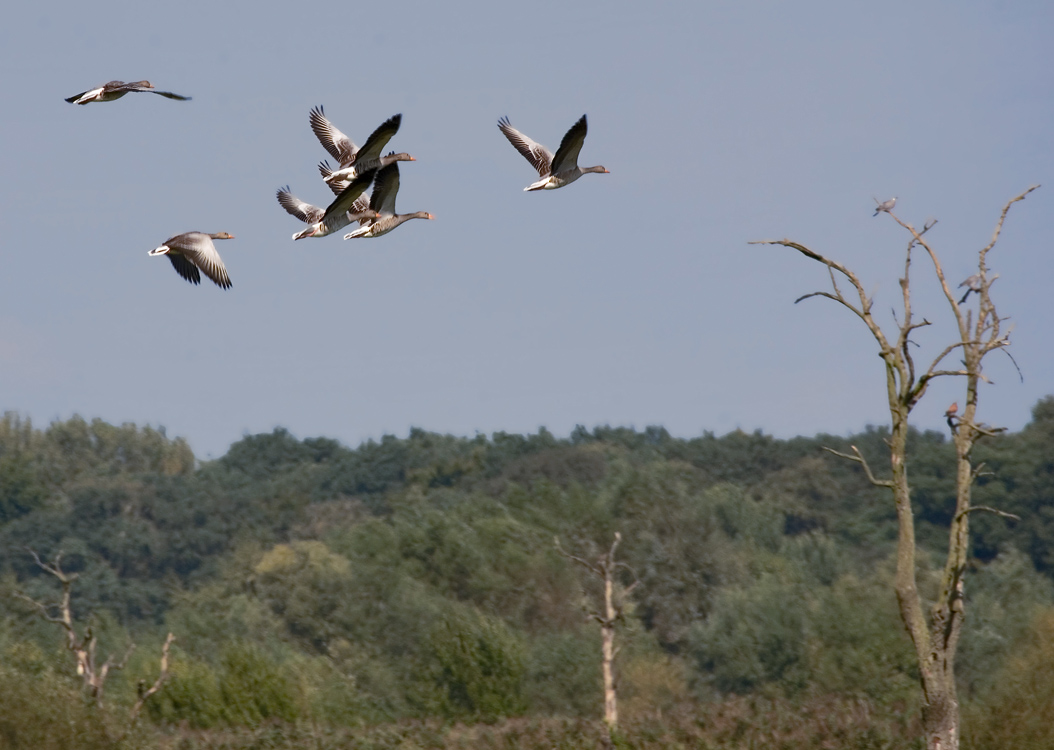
{"x":336,"y":185}
{"x":555,"y":171}
{"x":116,"y":89}
{"x":354,"y":161}
{"x":349,"y":206}
{"x":192,"y":251}
{"x":886,"y":206}
{"x":385,"y":186}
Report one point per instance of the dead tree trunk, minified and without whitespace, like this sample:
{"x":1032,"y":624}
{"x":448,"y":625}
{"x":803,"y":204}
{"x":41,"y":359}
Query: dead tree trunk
{"x":144,"y":691}
{"x":936,"y":636}
{"x":606,"y":569}
{"x":83,"y":647}
{"x":607,"y":641}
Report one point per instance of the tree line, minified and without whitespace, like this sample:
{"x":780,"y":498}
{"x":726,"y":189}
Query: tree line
{"x":416,"y":579}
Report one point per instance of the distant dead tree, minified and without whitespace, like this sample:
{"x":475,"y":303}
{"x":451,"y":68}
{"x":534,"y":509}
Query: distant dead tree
{"x":935,"y":636}
{"x":606,"y":568}
{"x":83,"y":646}
{"x":145,"y":692}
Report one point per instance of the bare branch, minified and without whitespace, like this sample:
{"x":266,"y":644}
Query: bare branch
{"x":906,"y":326}
{"x":124,"y":660}
{"x":988,"y":431}
{"x":946,"y":373}
{"x":793,"y":245}
{"x":53,"y":569}
{"x":863,"y":312}
{"x":143,"y":695}
{"x":1002,"y":218}
{"x":979,"y":471}
{"x":828,"y":295}
{"x":987,"y":509}
{"x":592,"y":567}
{"x":45,"y":610}
{"x":833,"y":265}
{"x":1020,"y":374}
{"x":937,"y":360}
{"x":858,"y":458}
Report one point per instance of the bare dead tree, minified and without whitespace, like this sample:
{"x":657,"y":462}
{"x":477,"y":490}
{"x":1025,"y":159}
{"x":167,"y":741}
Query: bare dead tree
{"x":146,"y":692}
{"x":936,"y":636}
{"x":606,"y":568}
{"x":83,"y":646}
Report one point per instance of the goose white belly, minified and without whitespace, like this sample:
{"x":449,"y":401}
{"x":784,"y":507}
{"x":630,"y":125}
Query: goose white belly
{"x":343,"y":175}
{"x":90,"y":96}
{"x":554,"y":181}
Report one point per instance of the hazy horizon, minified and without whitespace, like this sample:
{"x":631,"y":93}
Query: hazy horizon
{"x":629,"y":299}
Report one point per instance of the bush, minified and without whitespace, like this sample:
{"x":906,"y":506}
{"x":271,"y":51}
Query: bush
{"x":47,"y":711}
{"x":754,"y":636}
{"x":254,"y":687}
{"x":248,"y":689}
{"x":191,"y":695}
{"x":563,"y":674}
{"x":1017,"y":711}
{"x":478,"y":666}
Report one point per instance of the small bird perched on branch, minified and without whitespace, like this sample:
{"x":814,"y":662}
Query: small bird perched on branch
{"x":886,"y":206}
{"x":972,"y":284}
{"x":949,"y":415}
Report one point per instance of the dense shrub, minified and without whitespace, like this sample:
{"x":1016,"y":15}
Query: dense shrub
{"x":1016,"y":712}
{"x":478,"y":666}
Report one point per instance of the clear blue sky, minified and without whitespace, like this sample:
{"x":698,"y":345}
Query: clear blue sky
{"x":627,"y":299}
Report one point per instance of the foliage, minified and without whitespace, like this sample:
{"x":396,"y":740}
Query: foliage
{"x":43,"y":709}
{"x":563,"y":674}
{"x":247,"y":688}
{"x":754,"y":636}
{"x":1016,"y":713}
{"x":1005,"y":596}
{"x":729,"y":725}
{"x":415,"y":578}
{"x":478,"y":666}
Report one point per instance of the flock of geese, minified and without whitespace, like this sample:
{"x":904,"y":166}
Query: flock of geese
{"x":194,"y":253}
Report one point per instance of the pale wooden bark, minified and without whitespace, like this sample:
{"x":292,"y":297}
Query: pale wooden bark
{"x":83,"y":647}
{"x":606,"y":568}
{"x":607,"y":643}
{"x":145,"y":693}
{"x":935,"y":636}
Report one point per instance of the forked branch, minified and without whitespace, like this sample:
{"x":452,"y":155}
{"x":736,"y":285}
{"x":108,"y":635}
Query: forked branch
{"x":859,"y":458}
{"x":144,"y":694}
{"x":83,"y":647}
{"x":606,"y":568}
{"x":935,"y":637}
{"x":1002,"y":218}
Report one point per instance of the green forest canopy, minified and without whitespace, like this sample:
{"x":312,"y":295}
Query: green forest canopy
{"x":417,"y":576}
